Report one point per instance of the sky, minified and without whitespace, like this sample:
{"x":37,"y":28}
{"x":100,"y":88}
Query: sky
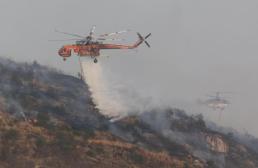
{"x":197,"y":47}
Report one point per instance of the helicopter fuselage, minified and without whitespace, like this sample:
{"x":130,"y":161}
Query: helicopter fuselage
{"x":217,"y":104}
{"x":81,"y":50}
{"x":93,"y":49}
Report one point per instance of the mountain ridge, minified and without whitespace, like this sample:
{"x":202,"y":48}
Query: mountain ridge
{"x":48,"y":119}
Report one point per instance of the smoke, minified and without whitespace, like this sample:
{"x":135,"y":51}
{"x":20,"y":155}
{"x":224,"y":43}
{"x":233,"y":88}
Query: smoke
{"x":16,"y":108}
{"x":186,"y":130}
{"x":241,"y":137}
{"x":112,"y":97}
{"x":109,"y":103}
{"x":27,"y":89}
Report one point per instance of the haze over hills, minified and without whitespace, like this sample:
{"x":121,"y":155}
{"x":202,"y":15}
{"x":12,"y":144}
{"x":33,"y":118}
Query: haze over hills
{"x":48,"y":119}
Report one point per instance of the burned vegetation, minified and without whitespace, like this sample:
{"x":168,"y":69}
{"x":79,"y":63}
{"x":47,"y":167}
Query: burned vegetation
{"x":48,"y":119}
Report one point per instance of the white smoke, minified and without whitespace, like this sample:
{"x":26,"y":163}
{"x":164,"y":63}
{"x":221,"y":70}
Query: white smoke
{"x":107,"y":101}
{"x":112,"y":96}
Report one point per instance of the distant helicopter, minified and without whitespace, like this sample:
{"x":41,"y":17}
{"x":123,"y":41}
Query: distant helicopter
{"x":91,"y":44}
{"x":217,"y":102}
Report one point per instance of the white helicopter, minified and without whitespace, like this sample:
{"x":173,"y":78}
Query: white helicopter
{"x":217,"y":102}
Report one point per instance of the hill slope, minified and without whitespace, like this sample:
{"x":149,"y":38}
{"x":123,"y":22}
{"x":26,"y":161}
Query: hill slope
{"x":48,"y":119}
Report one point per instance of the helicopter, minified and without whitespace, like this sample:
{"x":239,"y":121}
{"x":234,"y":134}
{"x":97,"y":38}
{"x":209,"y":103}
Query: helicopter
{"x":91,"y":44}
{"x":217,"y":102}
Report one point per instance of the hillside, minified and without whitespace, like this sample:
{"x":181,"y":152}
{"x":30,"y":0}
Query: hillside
{"x":48,"y":119}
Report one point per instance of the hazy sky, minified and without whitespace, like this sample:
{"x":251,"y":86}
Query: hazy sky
{"x":198,"y":47}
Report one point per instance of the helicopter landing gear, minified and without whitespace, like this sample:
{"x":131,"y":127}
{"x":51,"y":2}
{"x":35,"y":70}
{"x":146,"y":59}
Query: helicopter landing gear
{"x":95,"y":60}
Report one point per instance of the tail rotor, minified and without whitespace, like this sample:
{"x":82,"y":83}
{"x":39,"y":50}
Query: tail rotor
{"x":143,"y":39}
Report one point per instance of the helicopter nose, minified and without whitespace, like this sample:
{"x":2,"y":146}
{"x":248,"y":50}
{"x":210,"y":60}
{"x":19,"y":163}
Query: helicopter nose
{"x":61,"y":51}
{"x":64,"y":52}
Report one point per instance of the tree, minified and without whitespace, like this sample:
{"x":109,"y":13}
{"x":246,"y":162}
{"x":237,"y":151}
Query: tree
{"x":43,"y":119}
{"x":11,"y":135}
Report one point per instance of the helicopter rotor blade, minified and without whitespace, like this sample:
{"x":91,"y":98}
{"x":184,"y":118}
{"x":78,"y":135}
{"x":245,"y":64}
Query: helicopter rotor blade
{"x":113,"y":39}
{"x":218,"y":92}
{"x":71,"y":34}
{"x":147,"y":44}
{"x":211,"y":96}
{"x":65,"y":40}
{"x":92,"y":30}
{"x":147,"y":36}
{"x":114,"y":33}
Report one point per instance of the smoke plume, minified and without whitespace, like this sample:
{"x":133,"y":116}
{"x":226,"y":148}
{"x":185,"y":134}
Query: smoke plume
{"x":114,"y":98}
{"x":106,"y":101}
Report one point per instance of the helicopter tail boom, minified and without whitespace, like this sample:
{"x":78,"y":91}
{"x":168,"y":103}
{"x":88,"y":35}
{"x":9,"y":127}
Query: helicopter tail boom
{"x":118,"y":46}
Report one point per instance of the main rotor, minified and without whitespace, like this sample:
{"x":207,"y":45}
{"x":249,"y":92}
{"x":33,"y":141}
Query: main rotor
{"x":218,"y":95}
{"x":91,"y":38}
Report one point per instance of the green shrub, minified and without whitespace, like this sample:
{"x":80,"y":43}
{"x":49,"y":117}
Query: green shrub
{"x":136,"y":157}
{"x":186,"y":164}
{"x":43,"y":119}
{"x":211,"y":164}
{"x":11,"y":135}
{"x":87,"y":133}
{"x":40,"y":141}
{"x":65,"y":141}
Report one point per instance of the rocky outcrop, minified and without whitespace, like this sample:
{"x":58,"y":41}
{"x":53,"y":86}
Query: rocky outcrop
{"x":217,"y":144}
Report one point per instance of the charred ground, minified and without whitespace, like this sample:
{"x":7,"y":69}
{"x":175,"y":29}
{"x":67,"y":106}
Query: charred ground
{"x":48,"y":119}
